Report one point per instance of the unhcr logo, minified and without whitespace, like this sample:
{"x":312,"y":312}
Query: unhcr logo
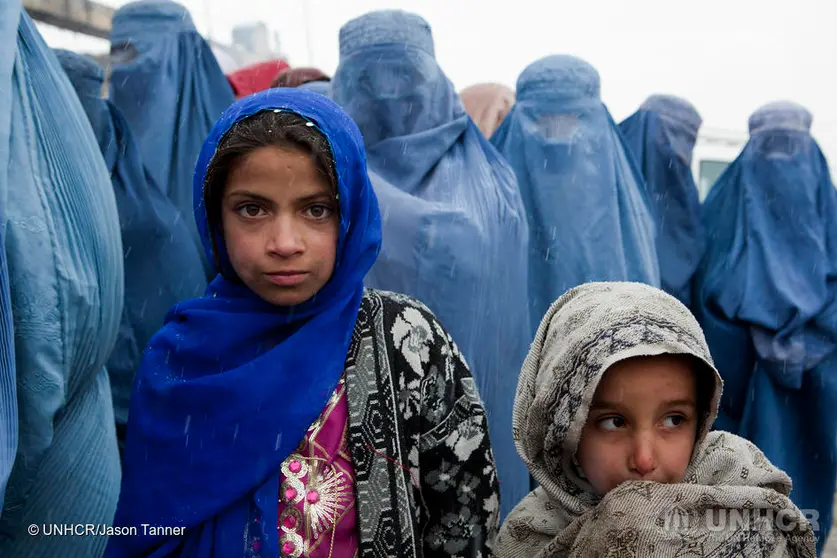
{"x":717,"y":520}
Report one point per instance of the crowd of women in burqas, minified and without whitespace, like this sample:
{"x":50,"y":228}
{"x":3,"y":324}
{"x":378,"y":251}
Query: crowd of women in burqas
{"x":281,"y":313}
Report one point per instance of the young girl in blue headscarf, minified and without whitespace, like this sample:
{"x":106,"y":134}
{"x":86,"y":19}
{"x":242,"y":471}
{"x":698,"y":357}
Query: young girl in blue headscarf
{"x":290,"y":412}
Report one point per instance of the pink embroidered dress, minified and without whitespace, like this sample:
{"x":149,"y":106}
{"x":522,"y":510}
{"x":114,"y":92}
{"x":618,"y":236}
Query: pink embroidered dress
{"x":317,"y":512}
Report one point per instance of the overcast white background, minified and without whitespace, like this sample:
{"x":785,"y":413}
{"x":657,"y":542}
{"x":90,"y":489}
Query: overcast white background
{"x":726,"y":56}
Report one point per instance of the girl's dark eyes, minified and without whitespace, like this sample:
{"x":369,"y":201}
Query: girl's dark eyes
{"x":611,"y":423}
{"x":617,"y":422}
{"x":319,"y":211}
{"x":249,"y":210}
{"x":673,"y":421}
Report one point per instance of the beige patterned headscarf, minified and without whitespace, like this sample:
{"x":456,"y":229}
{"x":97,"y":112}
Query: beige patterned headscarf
{"x":487,"y":104}
{"x":586,"y":331}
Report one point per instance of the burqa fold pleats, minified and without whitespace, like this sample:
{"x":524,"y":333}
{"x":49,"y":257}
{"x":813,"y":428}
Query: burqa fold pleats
{"x":162,"y":264}
{"x":64,"y":256}
{"x":8,"y":386}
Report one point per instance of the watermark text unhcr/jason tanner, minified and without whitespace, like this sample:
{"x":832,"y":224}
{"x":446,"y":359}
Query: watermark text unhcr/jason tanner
{"x":723,"y":519}
{"x":100,"y":530}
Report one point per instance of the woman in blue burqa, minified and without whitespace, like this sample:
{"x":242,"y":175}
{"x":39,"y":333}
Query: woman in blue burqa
{"x":8,"y":388}
{"x":289,"y":411}
{"x":589,"y":218}
{"x":168,"y":84}
{"x":162,"y":264}
{"x":64,"y":256}
{"x":662,"y":136}
{"x":454,"y":226}
{"x":765,"y":295}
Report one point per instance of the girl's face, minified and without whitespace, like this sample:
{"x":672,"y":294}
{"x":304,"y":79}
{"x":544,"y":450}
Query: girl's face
{"x":642,"y":423}
{"x":281,"y":224}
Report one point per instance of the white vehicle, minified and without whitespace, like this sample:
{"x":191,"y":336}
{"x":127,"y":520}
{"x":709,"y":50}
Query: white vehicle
{"x":714,"y":151}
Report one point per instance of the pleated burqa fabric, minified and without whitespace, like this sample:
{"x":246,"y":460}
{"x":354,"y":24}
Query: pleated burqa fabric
{"x":8,"y":387}
{"x":64,"y":255}
{"x":162,"y":264}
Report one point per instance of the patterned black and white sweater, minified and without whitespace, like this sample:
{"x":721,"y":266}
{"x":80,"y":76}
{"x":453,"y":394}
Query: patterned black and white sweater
{"x":426,"y":483}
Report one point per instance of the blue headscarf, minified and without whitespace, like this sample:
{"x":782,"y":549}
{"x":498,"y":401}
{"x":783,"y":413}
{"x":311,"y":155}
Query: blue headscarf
{"x":162,"y":264}
{"x":589,"y":218}
{"x":65,"y":268}
{"x":454,"y":226}
{"x":231,"y":383}
{"x":169,"y":86}
{"x":765,"y":296}
{"x":9,"y":16}
{"x":662,"y":136}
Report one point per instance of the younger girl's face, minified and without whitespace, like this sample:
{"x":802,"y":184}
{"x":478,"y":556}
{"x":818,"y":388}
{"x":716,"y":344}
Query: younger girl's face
{"x":281,"y":224}
{"x":642,"y":423}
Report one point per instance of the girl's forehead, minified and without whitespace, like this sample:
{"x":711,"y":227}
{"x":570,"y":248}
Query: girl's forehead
{"x":275,"y":173}
{"x":652,"y":375}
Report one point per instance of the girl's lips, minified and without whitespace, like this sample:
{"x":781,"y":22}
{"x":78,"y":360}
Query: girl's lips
{"x":287,"y":278}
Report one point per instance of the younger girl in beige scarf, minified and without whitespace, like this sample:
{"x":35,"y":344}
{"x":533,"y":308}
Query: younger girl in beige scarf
{"x":612,"y":416}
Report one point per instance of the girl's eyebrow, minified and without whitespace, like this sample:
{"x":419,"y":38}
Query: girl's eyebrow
{"x":319,"y":196}
{"x":668,"y":403}
{"x":315,"y":197}
{"x":251,"y":195}
{"x":604,"y":405}
{"x":680,"y":403}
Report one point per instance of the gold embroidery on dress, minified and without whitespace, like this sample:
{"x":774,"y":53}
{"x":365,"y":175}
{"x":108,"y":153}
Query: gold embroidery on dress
{"x":326,"y":496}
{"x":334,"y":497}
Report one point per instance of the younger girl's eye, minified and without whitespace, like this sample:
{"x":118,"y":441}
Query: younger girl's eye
{"x":249,"y":210}
{"x":673,"y":421}
{"x":319,"y":211}
{"x":611,"y":423}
